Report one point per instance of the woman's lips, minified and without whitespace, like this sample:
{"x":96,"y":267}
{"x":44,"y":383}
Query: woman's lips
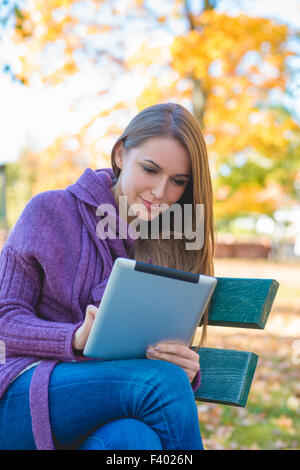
{"x":149,"y":205}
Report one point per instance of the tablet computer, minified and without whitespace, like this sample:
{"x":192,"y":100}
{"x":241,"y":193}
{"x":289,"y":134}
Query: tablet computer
{"x":144,"y":304}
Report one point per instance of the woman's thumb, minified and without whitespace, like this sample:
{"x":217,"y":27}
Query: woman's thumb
{"x":91,"y":313}
{"x":92,"y":310}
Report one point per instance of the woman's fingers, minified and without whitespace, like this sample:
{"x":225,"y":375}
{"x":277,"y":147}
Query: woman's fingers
{"x":176,"y":348}
{"x":92,"y":310}
{"x":180,"y":361}
{"x":81,"y":335}
{"x":178,"y":354}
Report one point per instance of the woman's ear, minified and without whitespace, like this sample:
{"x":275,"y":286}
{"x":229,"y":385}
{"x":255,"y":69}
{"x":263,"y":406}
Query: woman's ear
{"x":119,"y":155}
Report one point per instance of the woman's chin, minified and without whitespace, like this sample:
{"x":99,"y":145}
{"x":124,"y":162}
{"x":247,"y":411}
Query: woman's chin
{"x":148,"y":217}
{"x":143,"y":214}
{"x":145,"y":217}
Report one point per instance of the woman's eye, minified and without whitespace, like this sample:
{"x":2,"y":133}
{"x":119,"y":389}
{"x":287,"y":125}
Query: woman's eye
{"x":179,"y":182}
{"x":148,"y":170}
{"x":151,"y":171}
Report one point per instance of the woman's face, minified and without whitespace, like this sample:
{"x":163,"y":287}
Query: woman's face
{"x":156,"y":172}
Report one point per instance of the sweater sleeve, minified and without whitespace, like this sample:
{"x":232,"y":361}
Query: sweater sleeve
{"x":21,"y":281}
{"x":21,"y":330}
{"x":196,"y":382}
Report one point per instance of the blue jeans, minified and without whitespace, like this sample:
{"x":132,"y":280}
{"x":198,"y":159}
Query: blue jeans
{"x":107,"y":405}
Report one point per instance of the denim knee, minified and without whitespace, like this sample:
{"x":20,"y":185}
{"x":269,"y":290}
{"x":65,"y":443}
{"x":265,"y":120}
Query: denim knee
{"x":123,"y":434}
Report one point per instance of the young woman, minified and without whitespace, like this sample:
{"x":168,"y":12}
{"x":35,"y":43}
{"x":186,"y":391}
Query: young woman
{"x":53,"y":272}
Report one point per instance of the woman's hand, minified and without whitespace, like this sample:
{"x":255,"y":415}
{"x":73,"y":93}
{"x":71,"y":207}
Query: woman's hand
{"x":81,"y":335}
{"x":178,"y":354}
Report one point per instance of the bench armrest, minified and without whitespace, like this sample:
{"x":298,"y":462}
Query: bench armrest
{"x":242,"y":303}
{"x":226,"y":376}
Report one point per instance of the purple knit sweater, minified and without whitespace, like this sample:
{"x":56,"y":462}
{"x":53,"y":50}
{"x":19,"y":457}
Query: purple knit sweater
{"x":51,"y":267}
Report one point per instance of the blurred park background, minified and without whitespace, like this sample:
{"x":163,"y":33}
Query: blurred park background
{"x":72,"y":75}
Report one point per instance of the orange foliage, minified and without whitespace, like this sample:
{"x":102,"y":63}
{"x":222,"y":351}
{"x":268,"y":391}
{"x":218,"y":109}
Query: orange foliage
{"x":236,"y":62}
{"x":49,"y":22}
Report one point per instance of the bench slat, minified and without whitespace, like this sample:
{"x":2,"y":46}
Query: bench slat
{"x":243,"y":303}
{"x":226,"y":376}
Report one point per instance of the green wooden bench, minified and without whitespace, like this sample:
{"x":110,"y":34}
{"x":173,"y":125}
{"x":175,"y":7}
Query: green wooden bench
{"x":226,"y":375}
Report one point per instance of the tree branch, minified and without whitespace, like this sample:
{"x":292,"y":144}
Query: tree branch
{"x":209,"y":4}
{"x":189,"y":15}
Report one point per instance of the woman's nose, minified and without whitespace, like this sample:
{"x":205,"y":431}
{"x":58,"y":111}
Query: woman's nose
{"x":159,"y":190}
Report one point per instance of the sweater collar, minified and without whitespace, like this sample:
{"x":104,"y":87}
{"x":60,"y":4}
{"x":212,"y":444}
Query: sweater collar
{"x":93,"y":188}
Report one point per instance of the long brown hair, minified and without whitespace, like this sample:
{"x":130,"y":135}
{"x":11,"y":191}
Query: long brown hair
{"x":173,"y":120}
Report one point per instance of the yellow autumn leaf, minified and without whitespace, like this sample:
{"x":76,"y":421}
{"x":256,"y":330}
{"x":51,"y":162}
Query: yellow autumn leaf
{"x":285,"y":423}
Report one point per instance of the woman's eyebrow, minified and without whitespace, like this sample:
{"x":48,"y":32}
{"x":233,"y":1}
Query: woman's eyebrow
{"x":159,"y":168}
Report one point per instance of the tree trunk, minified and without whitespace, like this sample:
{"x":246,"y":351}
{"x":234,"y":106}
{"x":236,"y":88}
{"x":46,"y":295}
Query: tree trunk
{"x":198,"y":101}
{"x":199,"y":95}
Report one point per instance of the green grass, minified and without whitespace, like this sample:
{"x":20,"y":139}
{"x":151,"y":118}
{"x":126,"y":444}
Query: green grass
{"x":271,"y":419}
{"x":269,"y":422}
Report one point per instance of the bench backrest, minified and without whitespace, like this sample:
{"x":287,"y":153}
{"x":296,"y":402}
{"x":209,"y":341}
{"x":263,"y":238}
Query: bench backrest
{"x":226,"y":375}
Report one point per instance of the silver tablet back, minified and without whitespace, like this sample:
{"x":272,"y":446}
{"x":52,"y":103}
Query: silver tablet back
{"x":144,"y":304}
